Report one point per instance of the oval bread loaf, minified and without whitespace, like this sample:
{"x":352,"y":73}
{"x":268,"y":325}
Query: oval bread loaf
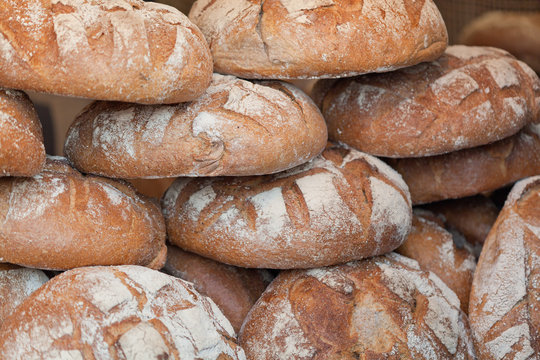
{"x":124,"y":50}
{"x":60,"y":219}
{"x":278,"y":39}
{"x":505,"y":299}
{"x":236,"y":128}
{"x":341,"y":206}
{"x":118,"y":312}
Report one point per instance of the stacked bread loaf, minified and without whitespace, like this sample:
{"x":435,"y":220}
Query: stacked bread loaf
{"x":256,"y":183}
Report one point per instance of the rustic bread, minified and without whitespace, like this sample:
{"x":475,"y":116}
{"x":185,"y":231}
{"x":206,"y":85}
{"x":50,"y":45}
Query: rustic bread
{"x":182,"y":5}
{"x":512,"y":31}
{"x":233,"y":289}
{"x":472,"y":171}
{"x":113,"y":313}
{"x":60,"y":219}
{"x":343,"y":205}
{"x":16,"y":284}
{"x":236,"y":128}
{"x":22,"y":152}
{"x":442,"y":253}
{"x":471,"y":96}
{"x":278,"y":39}
{"x":505,"y":299}
{"x":125,"y":50}
{"x":379,"y":308}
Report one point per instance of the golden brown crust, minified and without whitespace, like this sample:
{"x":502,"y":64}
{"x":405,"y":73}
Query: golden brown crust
{"x":471,"y":96}
{"x":126,"y":50}
{"x":514,"y":32}
{"x":236,"y":128}
{"x":282,"y":38}
{"x":60,"y":219}
{"x":505,"y":298}
{"x":114,"y":313}
{"x":341,"y":206}
{"x":22,"y":152}
{"x":233,"y":289}
{"x":472,"y":171}
{"x":378,"y":308}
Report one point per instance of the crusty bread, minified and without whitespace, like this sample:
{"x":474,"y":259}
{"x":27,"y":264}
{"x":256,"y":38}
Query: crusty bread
{"x":343,"y":205}
{"x":278,"y":39}
{"x":435,"y":250}
{"x":22,"y":152}
{"x":114,"y":313}
{"x":60,"y":219}
{"x":472,"y":171}
{"x":233,"y":289}
{"x":182,"y":5}
{"x":505,"y":299}
{"x":471,"y":96}
{"x":125,"y":50}
{"x":378,"y":308}
{"x":514,"y":32}
{"x":236,"y":128}
{"x":16,"y":284}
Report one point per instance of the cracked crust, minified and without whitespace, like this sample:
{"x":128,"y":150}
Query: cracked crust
{"x":113,"y":313}
{"x":122,"y":50}
{"x":61,"y":219}
{"x":281,"y":39}
{"x":236,"y":128}
{"x":343,"y":205}
{"x":469,"y":97}
{"x":505,"y":299}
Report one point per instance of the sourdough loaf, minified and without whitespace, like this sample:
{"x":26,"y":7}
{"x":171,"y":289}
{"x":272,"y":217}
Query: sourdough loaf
{"x":125,"y":50}
{"x":236,"y":128}
{"x":341,"y":206}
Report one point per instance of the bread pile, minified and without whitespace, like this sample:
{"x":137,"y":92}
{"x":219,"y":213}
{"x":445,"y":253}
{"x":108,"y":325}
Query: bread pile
{"x":258,"y":186}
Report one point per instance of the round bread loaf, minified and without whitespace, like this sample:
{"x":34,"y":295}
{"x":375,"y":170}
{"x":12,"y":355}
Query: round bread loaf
{"x":515,"y":32}
{"x":22,"y":152}
{"x":16,"y":284}
{"x":443,"y":253}
{"x":125,"y":50}
{"x":113,"y":313}
{"x":472,"y":171}
{"x":292,"y":39}
{"x":236,"y":128}
{"x":471,"y":96}
{"x":505,"y":298}
{"x":233,"y":289}
{"x":343,"y":205}
{"x":60,"y":219}
{"x":379,"y":308}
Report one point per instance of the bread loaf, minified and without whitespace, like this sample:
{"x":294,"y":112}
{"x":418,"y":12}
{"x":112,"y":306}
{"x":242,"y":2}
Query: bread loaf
{"x":233,"y":289}
{"x":22,"y":152}
{"x":505,"y":298}
{"x":471,"y":96}
{"x":472,"y":171}
{"x":236,"y":128}
{"x":341,"y":206}
{"x":378,"y":308}
{"x":60,"y":219}
{"x":124,"y":50}
{"x":113,"y":313}
{"x":278,"y":39}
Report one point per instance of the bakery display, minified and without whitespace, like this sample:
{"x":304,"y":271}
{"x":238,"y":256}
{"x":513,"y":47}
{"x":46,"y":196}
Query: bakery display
{"x":22,"y":152}
{"x":505,"y":298}
{"x":379,"y":308}
{"x":470,"y":96}
{"x":123,"y":50}
{"x":288,"y":39}
{"x":61,"y":219}
{"x":236,"y":128}
{"x":344,"y":205}
{"x":123,"y":312}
